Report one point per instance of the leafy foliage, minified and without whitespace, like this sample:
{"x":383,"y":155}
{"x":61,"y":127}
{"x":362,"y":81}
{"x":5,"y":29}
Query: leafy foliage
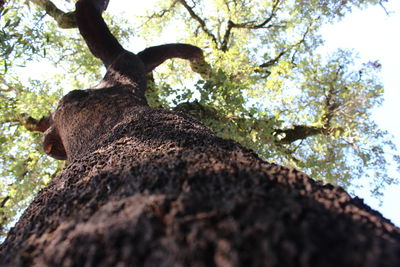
{"x":268,"y":89}
{"x":271,"y":91}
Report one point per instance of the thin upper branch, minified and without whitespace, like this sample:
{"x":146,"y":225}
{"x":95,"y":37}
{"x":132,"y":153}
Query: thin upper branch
{"x":223,"y":44}
{"x":384,"y":8}
{"x":200,"y":21}
{"x":248,"y":25}
{"x":253,"y":26}
{"x":162,"y":12}
{"x":275,"y":60}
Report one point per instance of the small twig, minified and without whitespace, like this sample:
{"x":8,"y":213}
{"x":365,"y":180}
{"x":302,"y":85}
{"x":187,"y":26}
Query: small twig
{"x":202,"y":23}
{"x":4,"y":201}
{"x":384,"y":8}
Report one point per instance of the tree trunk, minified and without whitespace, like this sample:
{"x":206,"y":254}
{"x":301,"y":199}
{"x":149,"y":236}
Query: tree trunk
{"x":160,"y":189}
{"x":152,"y":187}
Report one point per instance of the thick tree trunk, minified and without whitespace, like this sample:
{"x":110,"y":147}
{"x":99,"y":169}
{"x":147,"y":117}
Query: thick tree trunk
{"x":160,"y":189}
{"x":152,"y":187}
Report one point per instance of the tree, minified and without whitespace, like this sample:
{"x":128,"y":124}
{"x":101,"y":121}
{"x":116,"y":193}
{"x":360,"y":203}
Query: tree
{"x":267,"y":89}
{"x":152,"y":187}
{"x":336,"y":145}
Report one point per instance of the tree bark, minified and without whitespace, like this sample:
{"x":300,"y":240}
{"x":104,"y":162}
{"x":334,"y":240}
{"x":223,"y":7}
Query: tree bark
{"x":153,"y":187}
{"x":160,"y":189}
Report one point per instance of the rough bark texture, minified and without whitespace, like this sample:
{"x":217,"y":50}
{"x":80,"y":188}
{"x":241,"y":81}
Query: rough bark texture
{"x":160,"y":189}
{"x":152,"y":187}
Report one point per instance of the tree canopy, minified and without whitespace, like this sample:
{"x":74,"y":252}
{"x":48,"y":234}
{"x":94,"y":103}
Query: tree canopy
{"x":268,"y":88}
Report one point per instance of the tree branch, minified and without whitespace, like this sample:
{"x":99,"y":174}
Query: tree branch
{"x":65,"y":20}
{"x":156,"y":55}
{"x":283,"y":136}
{"x":298,"y":132}
{"x":9,"y":89}
{"x":4,"y":201}
{"x":247,"y":25}
{"x":252,"y":26}
{"x":384,"y":8}
{"x":32,"y":124}
{"x":94,"y":30}
{"x":199,"y":20}
{"x":275,"y":60}
{"x":227,"y":36}
{"x":162,"y":12}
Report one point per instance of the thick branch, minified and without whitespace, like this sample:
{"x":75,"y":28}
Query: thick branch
{"x":94,"y":30}
{"x":298,"y":132}
{"x":34,"y":125}
{"x":156,"y":55}
{"x":330,"y":107}
{"x":285,"y":136}
{"x":65,"y":20}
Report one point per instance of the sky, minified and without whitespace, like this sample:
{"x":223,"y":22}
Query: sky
{"x":375,"y":35}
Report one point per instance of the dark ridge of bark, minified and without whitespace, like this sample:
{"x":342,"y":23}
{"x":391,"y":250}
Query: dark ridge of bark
{"x":160,"y":189}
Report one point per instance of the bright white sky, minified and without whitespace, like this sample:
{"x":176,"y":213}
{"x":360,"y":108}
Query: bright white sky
{"x":375,"y":36}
